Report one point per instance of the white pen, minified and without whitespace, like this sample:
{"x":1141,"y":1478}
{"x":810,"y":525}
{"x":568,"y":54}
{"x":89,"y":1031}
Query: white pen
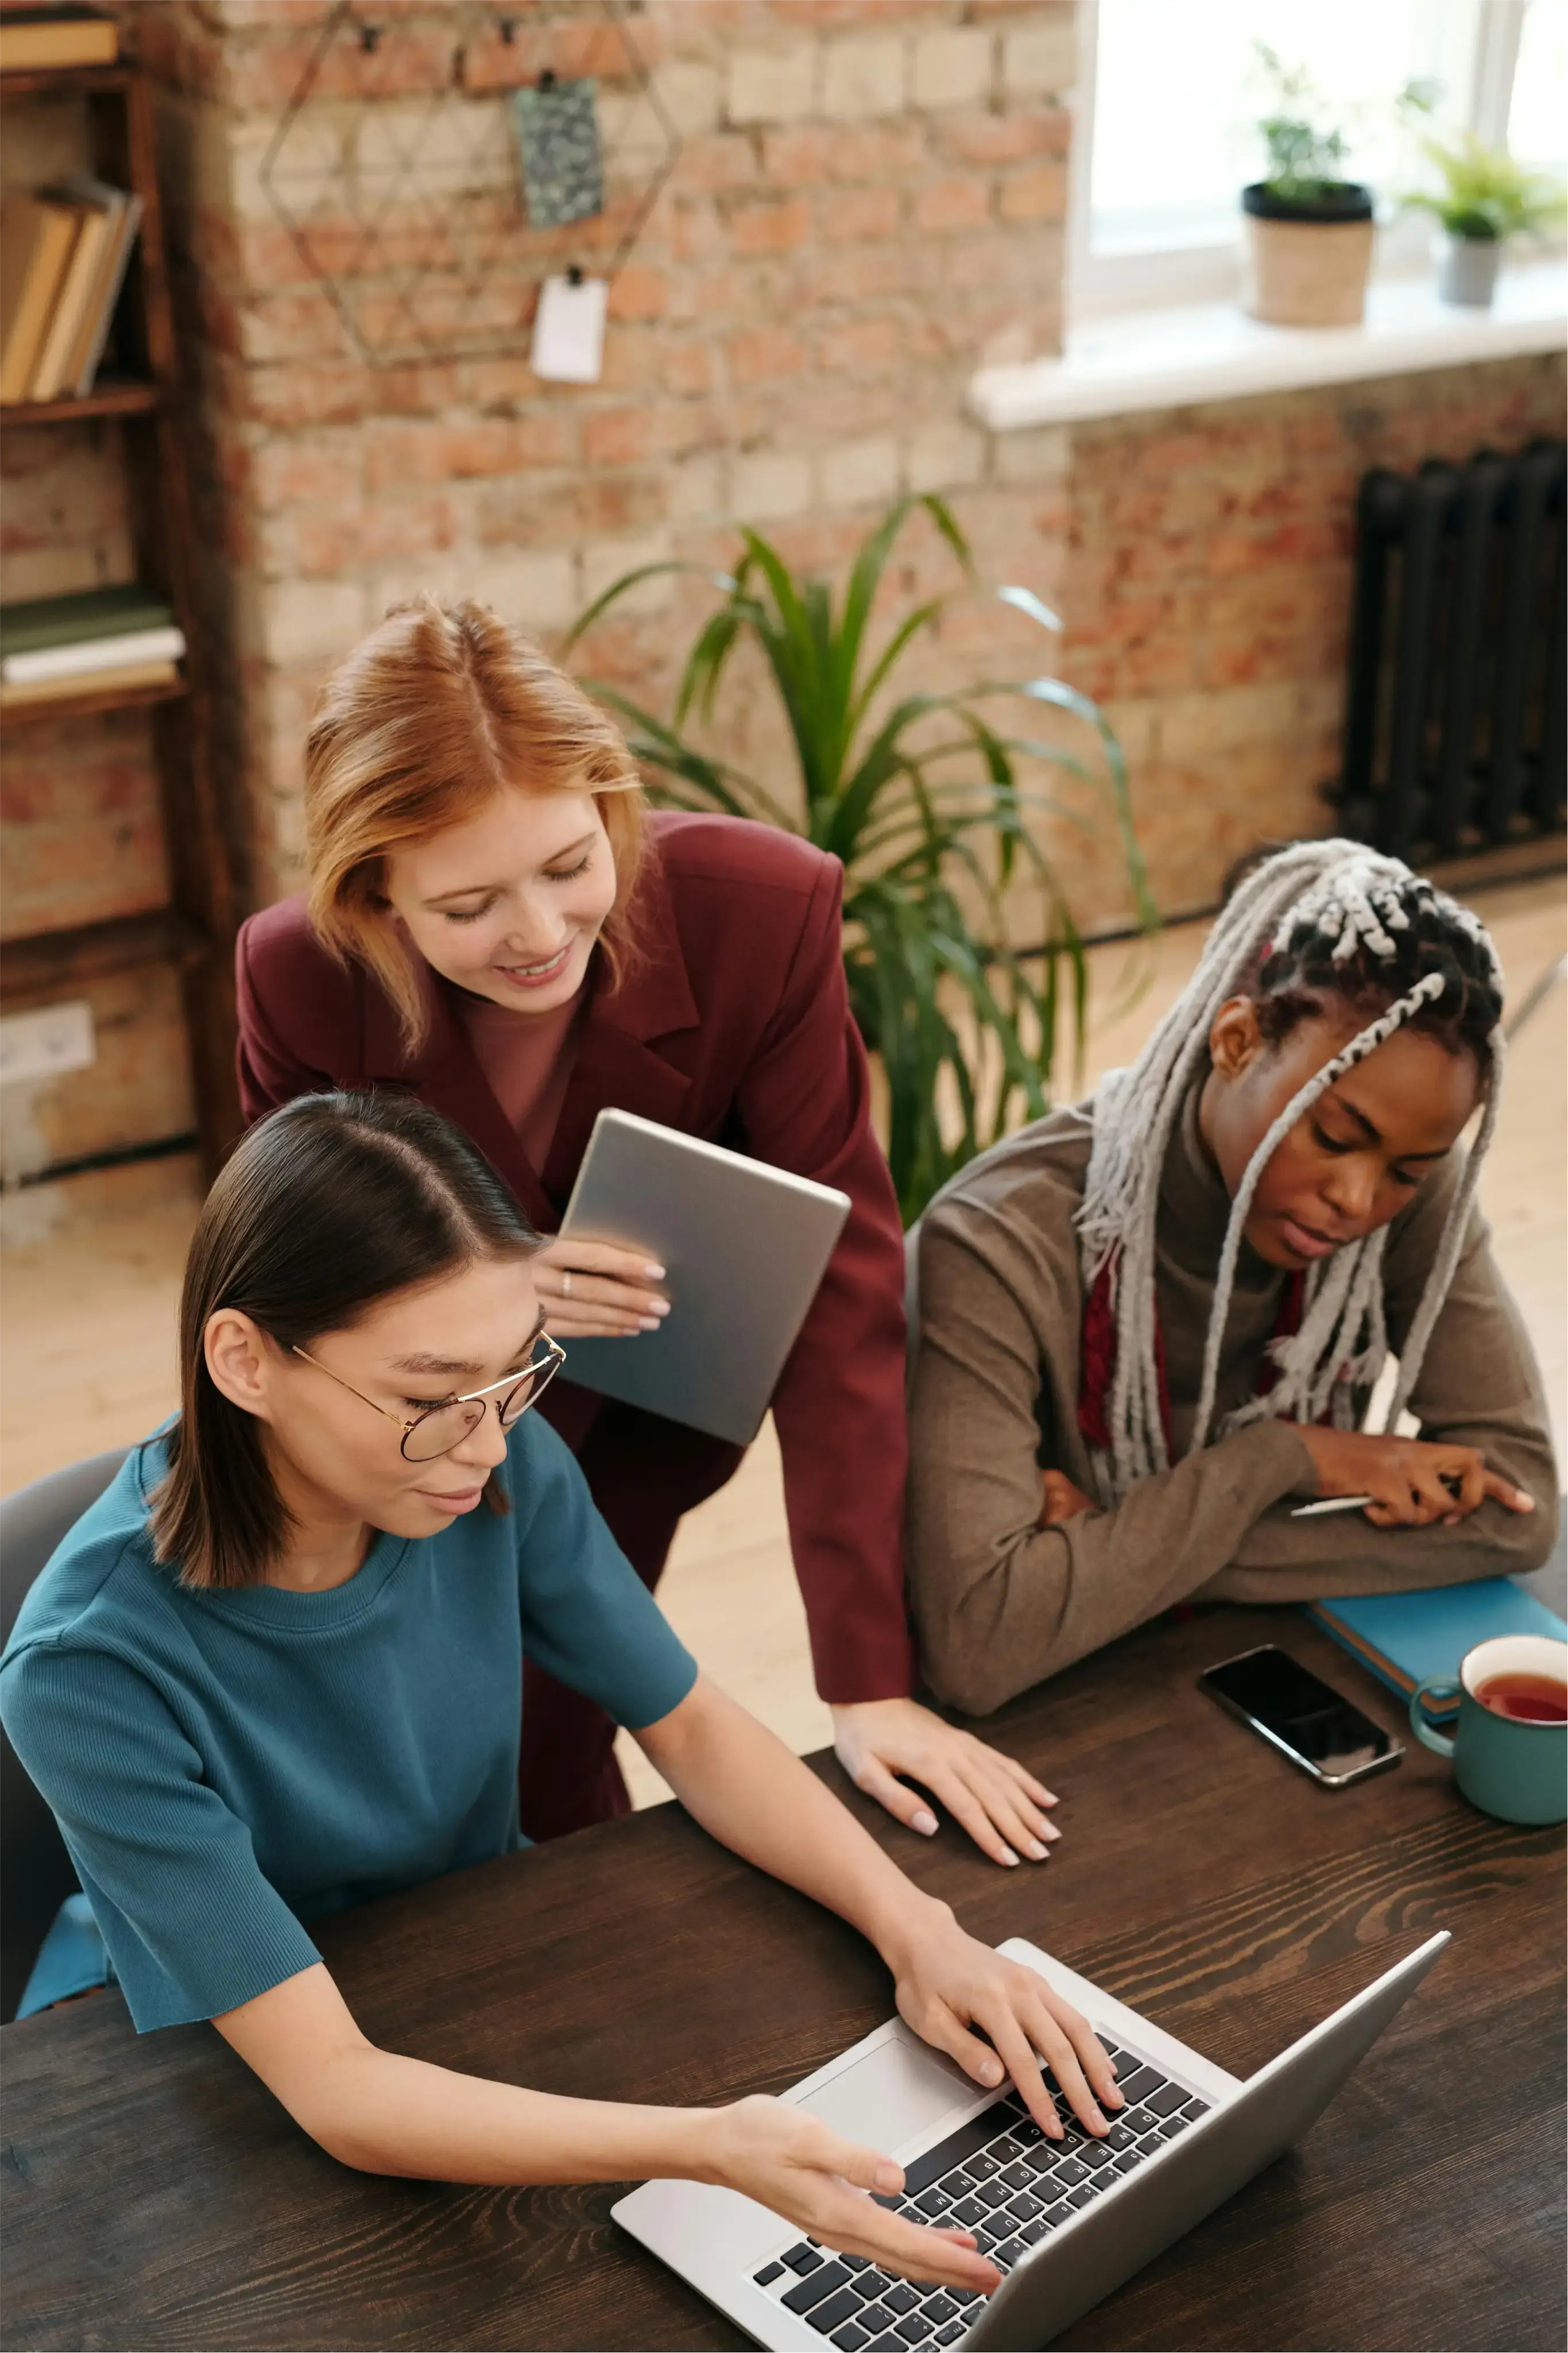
{"x":1359,"y":1502}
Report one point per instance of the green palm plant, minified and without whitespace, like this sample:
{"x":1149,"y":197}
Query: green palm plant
{"x":919,"y":794}
{"x":1485,"y":195}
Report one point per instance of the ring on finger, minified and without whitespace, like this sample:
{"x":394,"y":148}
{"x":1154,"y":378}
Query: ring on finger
{"x":565,"y":1282}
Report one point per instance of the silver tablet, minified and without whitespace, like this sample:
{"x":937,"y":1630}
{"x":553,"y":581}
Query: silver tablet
{"x":743,"y":1246}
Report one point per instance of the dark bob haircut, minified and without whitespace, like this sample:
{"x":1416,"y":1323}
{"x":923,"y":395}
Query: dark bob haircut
{"x":325,"y":1208}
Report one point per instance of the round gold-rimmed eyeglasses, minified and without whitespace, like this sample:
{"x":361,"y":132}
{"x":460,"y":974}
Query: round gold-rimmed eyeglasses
{"x":441,"y":1427}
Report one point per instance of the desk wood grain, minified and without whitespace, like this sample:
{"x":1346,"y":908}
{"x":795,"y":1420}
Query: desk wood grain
{"x":155,"y":2196}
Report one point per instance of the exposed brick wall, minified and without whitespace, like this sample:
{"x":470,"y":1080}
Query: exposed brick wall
{"x":84,"y":836}
{"x":869,"y":201}
{"x":1207,"y":590}
{"x":79,"y":798}
{"x":137,"y":1092}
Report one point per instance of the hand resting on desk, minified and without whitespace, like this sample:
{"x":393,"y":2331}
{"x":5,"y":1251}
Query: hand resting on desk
{"x":988,"y":1793}
{"x":385,"y":2113}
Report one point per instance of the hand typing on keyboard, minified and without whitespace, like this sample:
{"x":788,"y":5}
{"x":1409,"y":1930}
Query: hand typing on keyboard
{"x":997,"y":2176}
{"x":953,"y":1991}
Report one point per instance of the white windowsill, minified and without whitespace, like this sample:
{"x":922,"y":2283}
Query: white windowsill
{"x":1212,"y":351}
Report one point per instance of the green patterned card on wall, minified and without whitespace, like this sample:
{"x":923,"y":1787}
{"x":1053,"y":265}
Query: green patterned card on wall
{"x":558,"y":134}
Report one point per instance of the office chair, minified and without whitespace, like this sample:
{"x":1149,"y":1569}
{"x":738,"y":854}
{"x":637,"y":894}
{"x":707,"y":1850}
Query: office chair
{"x":36,"y":1872}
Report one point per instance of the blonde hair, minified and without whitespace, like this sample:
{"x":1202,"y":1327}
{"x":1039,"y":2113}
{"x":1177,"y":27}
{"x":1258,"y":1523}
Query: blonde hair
{"x":440,"y":708}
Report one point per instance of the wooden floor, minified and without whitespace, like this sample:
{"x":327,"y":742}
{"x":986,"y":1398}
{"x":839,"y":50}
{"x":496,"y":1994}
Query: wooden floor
{"x":88,"y":1328}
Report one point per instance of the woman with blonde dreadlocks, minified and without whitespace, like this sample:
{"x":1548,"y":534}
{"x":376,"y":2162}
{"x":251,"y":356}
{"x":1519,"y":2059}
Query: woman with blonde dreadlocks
{"x":1151,"y":1325}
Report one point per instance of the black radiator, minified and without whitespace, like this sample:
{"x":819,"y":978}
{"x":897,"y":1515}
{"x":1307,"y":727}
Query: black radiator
{"x":1454,"y":720}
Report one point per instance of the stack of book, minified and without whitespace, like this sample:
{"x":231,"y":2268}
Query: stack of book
{"x":98,"y":642}
{"x":1407,"y":1639}
{"x":64,"y":252}
{"x":68,"y":33}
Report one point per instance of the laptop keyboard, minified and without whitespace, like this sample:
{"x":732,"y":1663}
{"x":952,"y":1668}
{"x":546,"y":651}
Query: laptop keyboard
{"x":997,"y":2176}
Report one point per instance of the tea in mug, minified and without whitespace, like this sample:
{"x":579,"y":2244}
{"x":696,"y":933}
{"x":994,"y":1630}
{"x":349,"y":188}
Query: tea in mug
{"x":1525,"y":1698}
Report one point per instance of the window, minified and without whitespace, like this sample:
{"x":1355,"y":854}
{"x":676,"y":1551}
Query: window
{"x":1538,"y":107}
{"x":1169,"y":104}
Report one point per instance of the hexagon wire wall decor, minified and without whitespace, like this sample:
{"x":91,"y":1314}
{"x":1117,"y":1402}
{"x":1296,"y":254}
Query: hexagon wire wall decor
{"x":396,"y":170}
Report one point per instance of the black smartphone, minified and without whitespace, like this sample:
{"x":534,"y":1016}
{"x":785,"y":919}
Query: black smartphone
{"x":1306,"y":1719}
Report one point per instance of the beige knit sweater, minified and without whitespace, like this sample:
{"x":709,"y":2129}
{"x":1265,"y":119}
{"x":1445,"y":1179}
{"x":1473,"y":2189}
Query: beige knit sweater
{"x":999,"y":1601}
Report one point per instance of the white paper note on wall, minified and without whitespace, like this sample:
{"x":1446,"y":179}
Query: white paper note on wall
{"x":569,"y":329}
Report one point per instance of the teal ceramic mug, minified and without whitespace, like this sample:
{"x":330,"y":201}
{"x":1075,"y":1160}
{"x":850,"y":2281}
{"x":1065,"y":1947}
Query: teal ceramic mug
{"x":1506,"y":1764}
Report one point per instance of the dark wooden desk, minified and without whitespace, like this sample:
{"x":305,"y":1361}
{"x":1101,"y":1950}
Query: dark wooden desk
{"x":156,"y":2197}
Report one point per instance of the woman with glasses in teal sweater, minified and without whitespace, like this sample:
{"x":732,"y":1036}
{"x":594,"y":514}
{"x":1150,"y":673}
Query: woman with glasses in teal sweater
{"x":277,"y":1669}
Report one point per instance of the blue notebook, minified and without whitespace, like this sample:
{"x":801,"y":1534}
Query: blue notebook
{"x":1404,"y":1638}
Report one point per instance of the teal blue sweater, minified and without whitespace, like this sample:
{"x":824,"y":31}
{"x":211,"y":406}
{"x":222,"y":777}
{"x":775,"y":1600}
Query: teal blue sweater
{"x":226,"y":1766}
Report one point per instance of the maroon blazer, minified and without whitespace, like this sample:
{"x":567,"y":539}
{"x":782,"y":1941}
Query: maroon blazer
{"x":735,"y":1026}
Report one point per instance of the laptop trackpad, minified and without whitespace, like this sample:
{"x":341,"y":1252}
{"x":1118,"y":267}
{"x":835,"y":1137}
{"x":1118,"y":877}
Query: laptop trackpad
{"x":890,"y":2096}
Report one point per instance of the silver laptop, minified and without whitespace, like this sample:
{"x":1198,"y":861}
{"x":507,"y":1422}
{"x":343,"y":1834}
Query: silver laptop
{"x":743,"y":1246}
{"x":1066,"y":2223}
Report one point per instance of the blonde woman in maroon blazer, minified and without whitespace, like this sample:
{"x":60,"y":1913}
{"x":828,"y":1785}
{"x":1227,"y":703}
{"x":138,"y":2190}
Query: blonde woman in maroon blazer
{"x":494,"y":922}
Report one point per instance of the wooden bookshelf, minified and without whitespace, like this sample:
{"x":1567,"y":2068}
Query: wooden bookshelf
{"x":48,"y":963}
{"x":101,"y":697}
{"x":103,"y":400}
{"x":94,"y":81}
{"x":195,"y":934}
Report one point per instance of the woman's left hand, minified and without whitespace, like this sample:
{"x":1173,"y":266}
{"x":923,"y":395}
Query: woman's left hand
{"x":993,"y":2017}
{"x":990,"y":1795}
{"x":598,"y":1290}
{"x":1061,"y":1499}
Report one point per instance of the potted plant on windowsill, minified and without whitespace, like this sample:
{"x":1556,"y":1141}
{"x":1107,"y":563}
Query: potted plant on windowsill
{"x":1308,"y":229}
{"x":1485,"y":198}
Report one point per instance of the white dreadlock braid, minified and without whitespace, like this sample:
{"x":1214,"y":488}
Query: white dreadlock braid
{"x":1360,"y":900}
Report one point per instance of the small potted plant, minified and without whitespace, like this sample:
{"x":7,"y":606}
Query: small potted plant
{"x":1308,"y":229}
{"x":1485,"y":198}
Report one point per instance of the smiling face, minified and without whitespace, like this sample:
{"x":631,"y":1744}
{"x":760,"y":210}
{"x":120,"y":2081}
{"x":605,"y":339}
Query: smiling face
{"x":337,"y":1459}
{"x":1353,"y":1160}
{"x":509,"y":903}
